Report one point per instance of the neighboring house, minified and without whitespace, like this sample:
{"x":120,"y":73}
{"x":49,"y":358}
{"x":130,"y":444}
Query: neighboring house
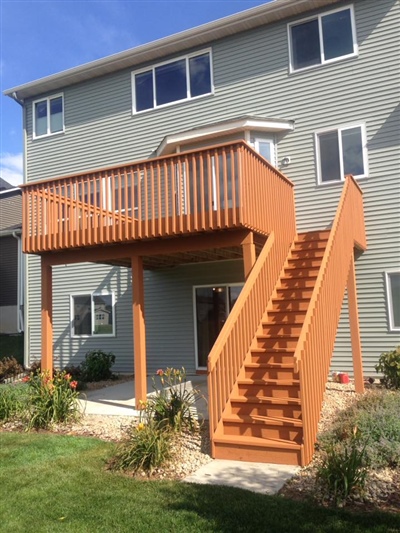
{"x":176,"y":157}
{"x":11,"y":260}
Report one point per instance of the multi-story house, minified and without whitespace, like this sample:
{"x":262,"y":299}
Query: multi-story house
{"x":204,"y":173}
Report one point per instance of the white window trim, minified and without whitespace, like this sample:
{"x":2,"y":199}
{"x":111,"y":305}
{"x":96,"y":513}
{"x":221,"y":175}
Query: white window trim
{"x":319,"y":18}
{"x":188,"y":97}
{"x":256,"y":145}
{"x":237,"y":284}
{"x":339,"y":129}
{"x":389,"y":299}
{"x":72,"y":314}
{"x":47,"y":99}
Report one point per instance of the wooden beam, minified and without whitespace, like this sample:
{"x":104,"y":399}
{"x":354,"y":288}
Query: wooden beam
{"x":97,"y":254}
{"x":355,"y":329}
{"x":249,"y":254}
{"x":47,"y":317}
{"x":139,"y":331}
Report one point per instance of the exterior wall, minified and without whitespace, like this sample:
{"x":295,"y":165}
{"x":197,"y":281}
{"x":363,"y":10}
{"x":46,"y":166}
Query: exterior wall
{"x":10,"y":209}
{"x":251,"y":76}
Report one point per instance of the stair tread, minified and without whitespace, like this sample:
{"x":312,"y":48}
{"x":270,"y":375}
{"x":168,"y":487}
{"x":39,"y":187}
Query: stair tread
{"x":283,"y":382}
{"x":273,"y":351}
{"x":271,"y":366}
{"x":267,"y":420}
{"x":282,"y":336}
{"x":266,"y":400}
{"x":256,"y":441}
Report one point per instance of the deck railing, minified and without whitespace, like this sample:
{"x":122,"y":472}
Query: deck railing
{"x":317,"y":338}
{"x":224,"y":186}
{"x":233,"y":343}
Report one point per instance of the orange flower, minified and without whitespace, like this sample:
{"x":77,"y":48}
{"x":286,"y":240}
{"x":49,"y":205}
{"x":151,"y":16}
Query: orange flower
{"x":160,"y":372}
{"x":67,"y":377}
{"x":26,"y":379}
{"x":73,"y":384}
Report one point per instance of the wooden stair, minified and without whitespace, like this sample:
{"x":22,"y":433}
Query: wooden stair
{"x":262,"y":421}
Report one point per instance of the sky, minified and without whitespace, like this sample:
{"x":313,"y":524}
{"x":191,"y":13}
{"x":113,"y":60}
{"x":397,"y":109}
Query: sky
{"x":42,"y":37}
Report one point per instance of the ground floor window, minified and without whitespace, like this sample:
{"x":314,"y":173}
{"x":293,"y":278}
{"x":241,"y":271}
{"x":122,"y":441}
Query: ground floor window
{"x":212,"y":305}
{"x":393,"y":298}
{"x":92,"y":314}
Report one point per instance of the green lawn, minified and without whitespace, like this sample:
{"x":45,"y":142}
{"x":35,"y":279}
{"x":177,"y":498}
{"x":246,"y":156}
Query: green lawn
{"x":51,"y":483}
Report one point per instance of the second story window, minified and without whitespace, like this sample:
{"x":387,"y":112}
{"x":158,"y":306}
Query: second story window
{"x":48,"y":116}
{"x":341,"y":152}
{"x":322,"y":39}
{"x":173,"y":81}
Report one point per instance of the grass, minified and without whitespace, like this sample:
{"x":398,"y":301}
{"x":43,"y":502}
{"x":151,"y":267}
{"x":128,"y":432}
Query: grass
{"x":51,"y":483}
{"x":12,"y":346}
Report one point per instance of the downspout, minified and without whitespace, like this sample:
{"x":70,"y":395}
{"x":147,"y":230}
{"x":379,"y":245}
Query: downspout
{"x":20,"y":284}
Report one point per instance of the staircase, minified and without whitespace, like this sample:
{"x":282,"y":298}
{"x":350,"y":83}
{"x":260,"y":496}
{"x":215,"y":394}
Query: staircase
{"x":262,"y":420}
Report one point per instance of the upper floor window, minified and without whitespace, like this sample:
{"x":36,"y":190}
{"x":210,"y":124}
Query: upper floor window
{"x":173,"y":81}
{"x":341,"y":152}
{"x":393,"y":297}
{"x":264,"y":147}
{"x":48,"y":116}
{"x":322,"y":39}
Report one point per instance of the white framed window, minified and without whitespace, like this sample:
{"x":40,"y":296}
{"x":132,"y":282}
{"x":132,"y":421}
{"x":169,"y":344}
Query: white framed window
{"x":323,"y":38}
{"x":393,"y":298}
{"x":48,"y":116}
{"x":265,"y":146}
{"x":92,"y":314}
{"x":340,"y":152}
{"x":180,"y":79}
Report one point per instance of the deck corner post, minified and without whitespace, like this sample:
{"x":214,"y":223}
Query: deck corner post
{"x":139,"y":331}
{"x":355,"y":328}
{"x":47,"y":316}
{"x":249,"y":254}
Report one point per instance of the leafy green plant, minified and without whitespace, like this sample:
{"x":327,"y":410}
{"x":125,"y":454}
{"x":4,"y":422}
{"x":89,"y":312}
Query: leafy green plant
{"x":97,"y":365}
{"x":51,"y":400}
{"x":173,"y":402}
{"x":344,"y":469}
{"x":9,"y":367}
{"x":147,"y":446}
{"x":12,"y":401}
{"x":389,"y":365}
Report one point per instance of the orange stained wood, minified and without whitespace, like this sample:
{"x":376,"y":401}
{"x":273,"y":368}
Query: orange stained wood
{"x":224,"y":187}
{"x":47,"y":317}
{"x":139,"y":331}
{"x":316,"y":342}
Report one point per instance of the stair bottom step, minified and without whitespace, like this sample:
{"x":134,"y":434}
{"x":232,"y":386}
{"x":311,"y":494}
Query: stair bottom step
{"x":256,"y":450}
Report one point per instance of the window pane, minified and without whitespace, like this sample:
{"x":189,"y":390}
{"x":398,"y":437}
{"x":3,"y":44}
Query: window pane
{"x":41,"y":118}
{"x":56,"y":114}
{"x":200,"y":75}
{"x":264,"y":148}
{"x":305,"y":44}
{"x":103,"y":311}
{"x":144,"y":90}
{"x":329,"y":156}
{"x":352,"y":152}
{"x":395,"y":303}
{"x":82,"y":315}
{"x":234,"y":295}
{"x":211,"y":314}
{"x":337,"y":34}
{"x":171,"y":82}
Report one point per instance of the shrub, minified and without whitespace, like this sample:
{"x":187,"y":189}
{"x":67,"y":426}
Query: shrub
{"x":9,"y":367}
{"x":376,"y":416}
{"x":174,"y":402}
{"x":51,"y":400}
{"x":344,"y":469}
{"x":389,"y":365}
{"x":147,"y":446}
{"x":12,"y":401}
{"x":97,"y":365}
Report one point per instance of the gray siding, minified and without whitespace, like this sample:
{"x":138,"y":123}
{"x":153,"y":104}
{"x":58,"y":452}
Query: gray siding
{"x":10,"y":210}
{"x":251,"y":76}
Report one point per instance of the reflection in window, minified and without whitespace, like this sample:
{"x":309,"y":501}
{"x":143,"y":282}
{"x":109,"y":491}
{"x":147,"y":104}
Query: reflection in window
{"x":92,"y":314}
{"x":393,"y":296}
{"x":48,"y":116}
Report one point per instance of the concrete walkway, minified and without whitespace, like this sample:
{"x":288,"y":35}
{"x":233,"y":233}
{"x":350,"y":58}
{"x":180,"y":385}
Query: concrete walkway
{"x":119,"y":400}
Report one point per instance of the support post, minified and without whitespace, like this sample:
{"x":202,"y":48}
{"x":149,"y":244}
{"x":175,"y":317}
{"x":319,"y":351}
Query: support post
{"x":139,"y":330}
{"x":249,"y":254}
{"x":47,"y":316}
{"x":355,"y":328}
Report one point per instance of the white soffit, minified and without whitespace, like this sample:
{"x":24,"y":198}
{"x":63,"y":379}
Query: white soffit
{"x":217,"y":129}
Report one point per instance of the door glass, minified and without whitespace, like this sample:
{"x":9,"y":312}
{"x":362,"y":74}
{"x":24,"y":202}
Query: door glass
{"x":211,"y":313}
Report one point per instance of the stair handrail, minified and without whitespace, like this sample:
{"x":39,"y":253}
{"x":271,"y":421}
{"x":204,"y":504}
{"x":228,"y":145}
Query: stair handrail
{"x":317,"y":338}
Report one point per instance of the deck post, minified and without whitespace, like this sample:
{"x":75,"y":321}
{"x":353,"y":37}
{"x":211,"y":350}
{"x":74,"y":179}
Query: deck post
{"x":249,"y":254}
{"x":47,"y":316}
{"x":355,"y":328}
{"x":139,"y":330}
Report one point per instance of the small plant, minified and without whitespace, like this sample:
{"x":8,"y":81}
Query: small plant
{"x":389,"y":366}
{"x":97,"y":366}
{"x":9,"y":367}
{"x":174,"y":402}
{"x":51,"y":400}
{"x":344,"y":469}
{"x":12,"y":401}
{"x":147,"y":446}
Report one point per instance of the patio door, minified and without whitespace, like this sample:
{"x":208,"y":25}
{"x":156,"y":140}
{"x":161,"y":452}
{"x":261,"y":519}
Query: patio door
{"x":212,"y":306}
